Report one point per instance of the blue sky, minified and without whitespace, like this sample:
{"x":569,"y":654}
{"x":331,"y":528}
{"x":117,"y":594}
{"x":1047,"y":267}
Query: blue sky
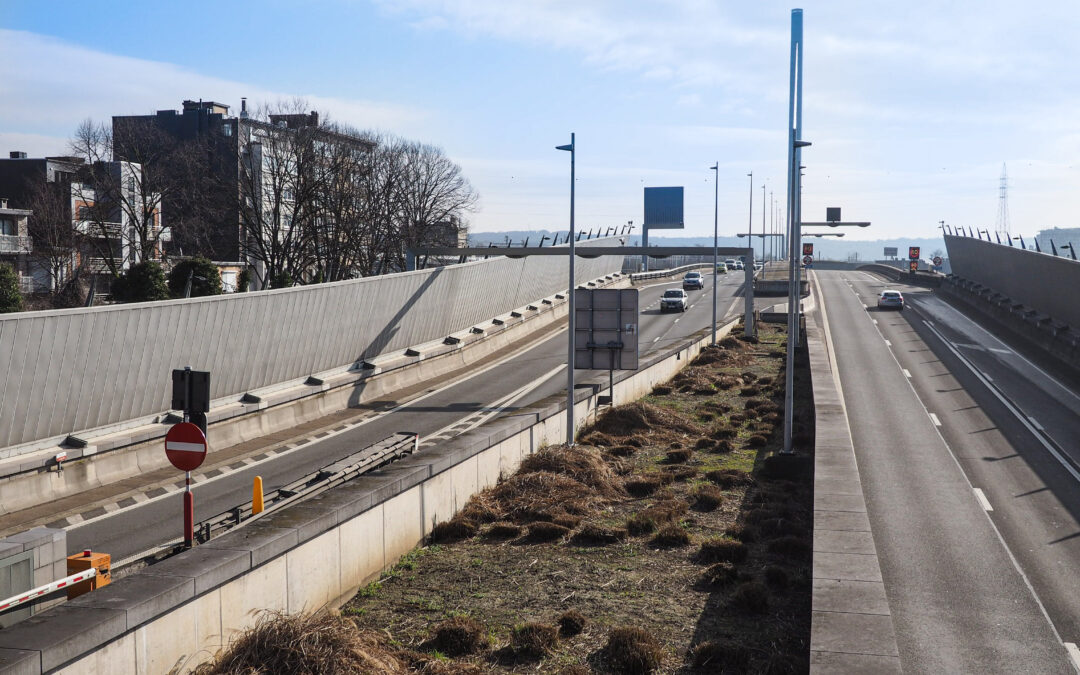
{"x":912,"y":107}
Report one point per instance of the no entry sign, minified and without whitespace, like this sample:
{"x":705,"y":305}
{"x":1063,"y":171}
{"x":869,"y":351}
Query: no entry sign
{"x":185,"y":446}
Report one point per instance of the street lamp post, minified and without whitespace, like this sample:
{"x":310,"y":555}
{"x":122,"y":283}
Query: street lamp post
{"x":763,"y":210}
{"x":794,"y":295}
{"x":571,"y":308}
{"x":715,"y":238}
{"x":750,"y":216}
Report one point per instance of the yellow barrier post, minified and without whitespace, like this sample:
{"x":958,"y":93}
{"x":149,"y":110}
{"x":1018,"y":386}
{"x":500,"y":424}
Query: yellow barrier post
{"x":257,"y":496}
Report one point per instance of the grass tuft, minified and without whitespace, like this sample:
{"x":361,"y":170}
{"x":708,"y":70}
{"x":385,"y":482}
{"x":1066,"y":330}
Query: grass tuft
{"x":633,"y":651}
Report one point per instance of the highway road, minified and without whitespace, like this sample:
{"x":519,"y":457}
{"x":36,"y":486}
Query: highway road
{"x":138,"y":522}
{"x":963,"y":446}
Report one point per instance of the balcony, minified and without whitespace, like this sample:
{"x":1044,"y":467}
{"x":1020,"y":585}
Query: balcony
{"x":14,"y":244}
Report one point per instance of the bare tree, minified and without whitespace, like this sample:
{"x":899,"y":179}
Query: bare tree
{"x":57,"y":241}
{"x":434,"y":199}
{"x":281,"y":176}
{"x":121,"y":200}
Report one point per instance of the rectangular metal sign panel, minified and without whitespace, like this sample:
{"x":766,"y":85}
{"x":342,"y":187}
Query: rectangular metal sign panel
{"x":664,"y":208}
{"x":606,"y":329}
{"x":890,"y":252}
{"x":913,"y":252}
{"x":832,"y":214}
{"x":200,"y":391}
{"x":808,"y":249}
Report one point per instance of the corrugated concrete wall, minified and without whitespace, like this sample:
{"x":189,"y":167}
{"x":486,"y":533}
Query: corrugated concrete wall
{"x":72,"y":370}
{"x":305,"y":557}
{"x":1043,"y":282}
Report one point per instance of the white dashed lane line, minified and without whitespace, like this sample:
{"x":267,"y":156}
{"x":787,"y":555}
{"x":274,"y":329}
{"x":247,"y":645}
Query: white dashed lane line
{"x":983,"y":500}
{"x":935,"y":420}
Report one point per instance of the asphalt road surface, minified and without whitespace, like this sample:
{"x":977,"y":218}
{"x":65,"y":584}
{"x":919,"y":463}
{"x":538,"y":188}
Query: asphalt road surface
{"x":529,"y":376}
{"x":972,"y":514}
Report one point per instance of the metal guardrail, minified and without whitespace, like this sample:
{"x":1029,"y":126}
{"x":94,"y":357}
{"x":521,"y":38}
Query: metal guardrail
{"x":659,"y":274}
{"x":372,"y":457}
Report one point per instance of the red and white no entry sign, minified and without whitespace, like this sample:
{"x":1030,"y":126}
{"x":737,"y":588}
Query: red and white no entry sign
{"x":185,"y":446}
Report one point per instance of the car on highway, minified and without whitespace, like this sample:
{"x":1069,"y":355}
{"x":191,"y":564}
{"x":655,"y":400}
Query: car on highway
{"x":730,"y":262}
{"x":738,"y":264}
{"x":721,"y":268}
{"x":674,"y":299}
{"x":693,"y":280}
{"x":891,"y":300}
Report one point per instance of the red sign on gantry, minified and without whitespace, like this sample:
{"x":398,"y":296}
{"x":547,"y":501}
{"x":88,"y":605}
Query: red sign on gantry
{"x":185,"y":446}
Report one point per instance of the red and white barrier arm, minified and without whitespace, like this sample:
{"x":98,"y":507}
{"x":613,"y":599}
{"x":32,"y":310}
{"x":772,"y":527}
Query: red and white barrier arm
{"x":34,"y":594}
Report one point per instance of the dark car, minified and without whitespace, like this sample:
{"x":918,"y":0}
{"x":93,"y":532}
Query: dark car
{"x":891,"y":300}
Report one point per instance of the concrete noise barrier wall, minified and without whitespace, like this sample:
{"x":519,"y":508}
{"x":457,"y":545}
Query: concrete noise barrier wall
{"x":72,"y":370}
{"x":1041,"y":281}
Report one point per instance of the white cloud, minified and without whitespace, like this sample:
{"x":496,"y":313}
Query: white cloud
{"x":49,"y":86}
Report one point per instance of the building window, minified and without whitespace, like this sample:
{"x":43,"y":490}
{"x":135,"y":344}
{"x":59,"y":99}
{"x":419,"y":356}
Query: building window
{"x":85,"y":213}
{"x":7,"y":227}
{"x":226,"y":129}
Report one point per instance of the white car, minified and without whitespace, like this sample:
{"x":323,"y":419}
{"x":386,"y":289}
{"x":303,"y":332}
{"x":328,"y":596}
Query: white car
{"x":674,"y":299}
{"x":891,"y":299}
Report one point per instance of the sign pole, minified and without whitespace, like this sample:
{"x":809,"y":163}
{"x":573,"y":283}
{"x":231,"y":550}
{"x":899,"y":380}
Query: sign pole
{"x":189,"y":513}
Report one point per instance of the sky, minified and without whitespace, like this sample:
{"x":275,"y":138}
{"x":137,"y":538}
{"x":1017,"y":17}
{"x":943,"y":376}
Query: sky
{"x":913,"y":108}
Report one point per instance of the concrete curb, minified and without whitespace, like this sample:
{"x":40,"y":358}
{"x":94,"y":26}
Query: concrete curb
{"x":851,"y":627}
{"x":123,"y":454}
{"x":313,"y":554}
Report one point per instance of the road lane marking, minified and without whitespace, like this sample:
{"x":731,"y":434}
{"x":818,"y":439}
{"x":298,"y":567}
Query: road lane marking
{"x":1074,"y":653}
{"x":907,"y":373}
{"x":983,"y":500}
{"x":875,"y":321}
{"x":1035,"y":423}
{"x":1011,"y":407}
{"x":887,"y":343}
{"x":935,"y":420}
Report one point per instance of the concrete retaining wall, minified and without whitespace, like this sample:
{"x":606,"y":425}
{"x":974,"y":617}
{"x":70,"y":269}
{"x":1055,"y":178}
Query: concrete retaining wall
{"x":309,"y":556}
{"x":1039,"y":281}
{"x":67,"y":371}
{"x":28,"y":560}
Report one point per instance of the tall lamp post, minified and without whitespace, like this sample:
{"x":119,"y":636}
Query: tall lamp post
{"x":571,"y":310}
{"x":763,"y":203}
{"x":715,"y":238}
{"x":750,"y":216}
{"x":794,"y":245}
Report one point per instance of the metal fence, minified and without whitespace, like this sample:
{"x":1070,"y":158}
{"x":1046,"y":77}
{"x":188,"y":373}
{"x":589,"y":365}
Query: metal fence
{"x":1040,"y":280}
{"x":66,"y":371}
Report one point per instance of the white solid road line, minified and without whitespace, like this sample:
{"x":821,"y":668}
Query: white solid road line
{"x":330,"y":434}
{"x":495,"y":408}
{"x":887,"y":342}
{"x":1074,"y":654}
{"x":1009,"y":405}
{"x":935,"y":420}
{"x":907,"y":373}
{"x":983,"y":500}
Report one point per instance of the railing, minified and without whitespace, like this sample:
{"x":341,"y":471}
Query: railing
{"x":370,"y":458}
{"x":659,"y":274}
{"x":13,"y":244}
